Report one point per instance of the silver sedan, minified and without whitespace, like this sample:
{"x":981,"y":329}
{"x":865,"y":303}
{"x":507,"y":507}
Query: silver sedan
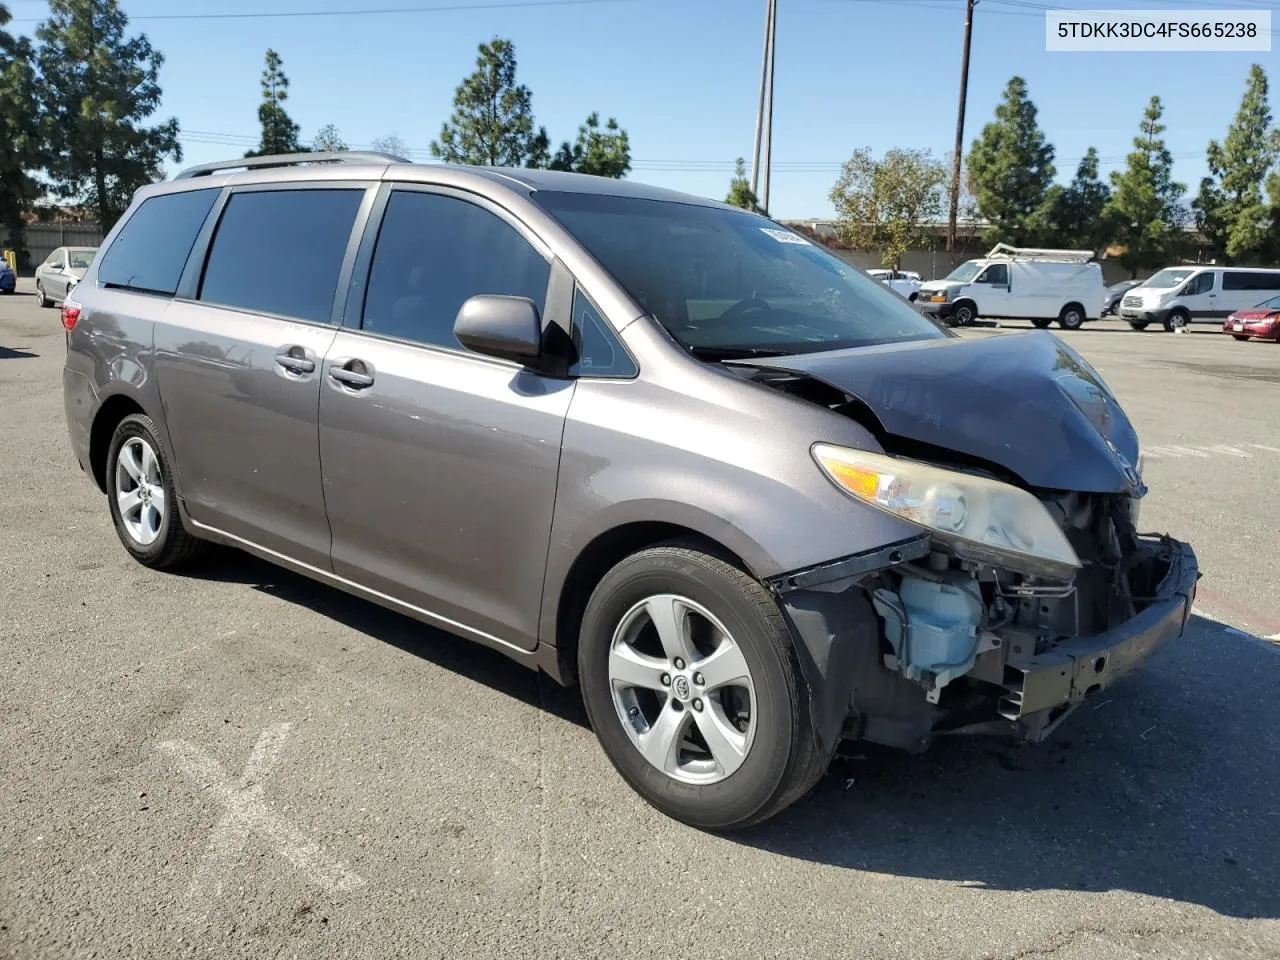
{"x":58,"y":275}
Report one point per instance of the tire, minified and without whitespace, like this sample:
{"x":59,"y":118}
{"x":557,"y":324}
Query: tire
{"x":43,"y":301}
{"x":963,"y":314}
{"x":1175,"y":320}
{"x":914,"y":297}
{"x":1138,"y":324}
{"x":152,"y":531}
{"x":775,"y":759}
{"x":1041,"y":323}
{"x":1071,"y":317}
{"x":1238,"y":336}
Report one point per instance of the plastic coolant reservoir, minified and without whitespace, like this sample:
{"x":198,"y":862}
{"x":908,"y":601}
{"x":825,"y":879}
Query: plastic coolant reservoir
{"x":932,"y":626}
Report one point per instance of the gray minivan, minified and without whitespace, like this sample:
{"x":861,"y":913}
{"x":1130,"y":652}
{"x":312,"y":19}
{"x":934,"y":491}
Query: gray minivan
{"x":751,"y":502}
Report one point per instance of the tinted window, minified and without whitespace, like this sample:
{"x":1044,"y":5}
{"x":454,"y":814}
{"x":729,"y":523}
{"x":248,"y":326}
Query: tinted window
{"x":1250,"y":281}
{"x":996,"y":273}
{"x":280,"y":251}
{"x":725,"y":282}
{"x":152,"y":247}
{"x":435,"y":252}
{"x":1199,"y":284}
{"x":599,"y":354}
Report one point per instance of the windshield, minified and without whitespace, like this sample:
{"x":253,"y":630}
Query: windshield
{"x":966,"y":271}
{"x":1272,"y":304}
{"x":80,"y":259}
{"x":1167,"y":278}
{"x":1124,"y":285}
{"x":729,"y":283}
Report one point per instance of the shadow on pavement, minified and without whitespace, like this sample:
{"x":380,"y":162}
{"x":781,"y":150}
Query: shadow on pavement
{"x":445,"y":650}
{"x":21,"y":353}
{"x":1166,"y":785}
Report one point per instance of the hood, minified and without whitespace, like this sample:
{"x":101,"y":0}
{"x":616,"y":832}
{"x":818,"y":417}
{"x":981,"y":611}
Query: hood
{"x":940,"y":284}
{"x":1254,"y":314}
{"x":1026,"y":402}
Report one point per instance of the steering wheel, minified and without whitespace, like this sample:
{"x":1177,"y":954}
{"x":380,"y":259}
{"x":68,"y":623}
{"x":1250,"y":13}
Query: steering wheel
{"x":749,"y":305}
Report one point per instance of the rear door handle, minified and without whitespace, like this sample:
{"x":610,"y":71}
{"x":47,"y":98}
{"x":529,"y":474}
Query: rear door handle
{"x":355,"y":374}
{"x":296,"y":359}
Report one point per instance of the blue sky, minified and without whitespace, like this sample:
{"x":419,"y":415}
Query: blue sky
{"x":682,"y":76}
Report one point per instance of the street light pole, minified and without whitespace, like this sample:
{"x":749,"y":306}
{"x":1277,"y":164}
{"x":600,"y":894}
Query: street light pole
{"x":959,"y":151}
{"x":768,"y":122}
{"x":764,"y":79}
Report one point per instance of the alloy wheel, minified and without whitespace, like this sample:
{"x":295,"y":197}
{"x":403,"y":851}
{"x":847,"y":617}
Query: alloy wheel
{"x":139,"y":491}
{"x":682,"y":689}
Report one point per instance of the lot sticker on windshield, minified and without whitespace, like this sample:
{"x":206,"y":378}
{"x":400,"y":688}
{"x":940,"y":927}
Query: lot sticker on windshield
{"x":784,"y":236}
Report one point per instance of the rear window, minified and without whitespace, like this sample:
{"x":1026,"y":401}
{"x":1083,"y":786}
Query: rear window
{"x":151,"y":249}
{"x":1250,"y":281}
{"x":280,"y":251}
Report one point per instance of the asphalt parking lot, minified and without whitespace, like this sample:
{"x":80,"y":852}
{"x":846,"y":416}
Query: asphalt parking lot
{"x":239,"y":762}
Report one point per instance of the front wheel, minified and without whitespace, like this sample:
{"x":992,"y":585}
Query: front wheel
{"x":41,"y":298}
{"x":963,"y":315}
{"x":141,"y":497}
{"x":1071,"y":318}
{"x":1041,"y":323}
{"x":1238,"y":336}
{"x":1138,"y":324}
{"x":692,"y":685}
{"x":1176,"y":320}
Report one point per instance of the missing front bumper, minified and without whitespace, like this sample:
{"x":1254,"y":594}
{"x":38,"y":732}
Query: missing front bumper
{"x":1054,"y":682}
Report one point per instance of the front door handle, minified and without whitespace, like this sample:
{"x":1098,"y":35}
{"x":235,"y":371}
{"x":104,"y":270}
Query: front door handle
{"x":296,"y":359}
{"x":355,"y":374}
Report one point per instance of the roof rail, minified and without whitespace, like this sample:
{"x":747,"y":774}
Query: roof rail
{"x":289,"y":160}
{"x":1005,"y":251}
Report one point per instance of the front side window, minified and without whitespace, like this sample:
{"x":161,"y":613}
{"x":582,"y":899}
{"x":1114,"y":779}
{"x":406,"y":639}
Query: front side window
{"x":433,"y":254}
{"x":996,"y":274}
{"x":729,"y":283}
{"x":1200,"y":284}
{"x":280,"y":251}
{"x":151,"y":249}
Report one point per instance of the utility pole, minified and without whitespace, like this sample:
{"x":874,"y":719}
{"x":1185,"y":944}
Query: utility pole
{"x":959,"y":153}
{"x":764,"y":106}
{"x":768,"y":117}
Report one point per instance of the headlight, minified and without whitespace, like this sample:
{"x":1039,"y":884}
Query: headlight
{"x":980,"y":518}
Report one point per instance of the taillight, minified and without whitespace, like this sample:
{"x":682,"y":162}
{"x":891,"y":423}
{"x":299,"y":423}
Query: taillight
{"x":70,"y":314}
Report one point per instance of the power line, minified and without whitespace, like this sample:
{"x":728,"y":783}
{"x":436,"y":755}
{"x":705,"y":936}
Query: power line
{"x":383,"y":11}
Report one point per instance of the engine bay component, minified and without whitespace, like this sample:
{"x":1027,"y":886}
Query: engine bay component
{"x":932,"y":625}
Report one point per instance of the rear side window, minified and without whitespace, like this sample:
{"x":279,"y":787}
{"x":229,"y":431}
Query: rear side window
{"x":280,"y":251}
{"x":151,"y":249}
{"x":433,"y":254}
{"x":1250,"y":281}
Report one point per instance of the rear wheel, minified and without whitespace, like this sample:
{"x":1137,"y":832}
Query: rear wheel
{"x":1071,"y":317}
{"x":141,"y":497}
{"x":692,"y":685}
{"x":1176,"y":320}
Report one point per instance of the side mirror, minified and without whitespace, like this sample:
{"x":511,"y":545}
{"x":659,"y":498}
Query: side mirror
{"x":505,"y":327}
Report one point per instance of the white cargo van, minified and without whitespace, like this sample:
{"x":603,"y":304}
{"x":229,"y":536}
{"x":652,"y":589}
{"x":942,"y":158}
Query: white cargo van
{"x":1177,"y":296}
{"x":1038,"y":285}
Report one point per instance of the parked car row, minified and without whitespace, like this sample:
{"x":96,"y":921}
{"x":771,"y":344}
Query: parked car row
{"x":1178,"y":296}
{"x":905,"y":282}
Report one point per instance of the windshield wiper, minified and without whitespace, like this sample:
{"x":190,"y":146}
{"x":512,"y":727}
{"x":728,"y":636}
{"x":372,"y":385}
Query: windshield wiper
{"x":733,"y":353}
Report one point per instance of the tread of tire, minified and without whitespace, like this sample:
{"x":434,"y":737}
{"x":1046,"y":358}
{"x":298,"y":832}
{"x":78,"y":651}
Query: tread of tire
{"x":182,"y":546}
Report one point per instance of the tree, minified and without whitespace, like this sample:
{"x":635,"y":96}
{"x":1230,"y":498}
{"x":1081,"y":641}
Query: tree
{"x":1229,"y":208}
{"x":279,"y":132}
{"x":881,"y":204}
{"x":1145,"y":210}
{"x":391,"y":144}
{"x":1073,"y":215}
{"x":19,"y":134}
{"x":603,"y":153}
{"x":97,"y":86}
{"x":492,"y":121}
{"x":1011,"y":167}
{"x":329,"y":140}
{"x":740,"y":193}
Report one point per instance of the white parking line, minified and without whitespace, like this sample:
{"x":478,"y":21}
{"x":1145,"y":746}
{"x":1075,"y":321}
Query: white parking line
{"x":245,"y":812}
{"x":1205,"y":450}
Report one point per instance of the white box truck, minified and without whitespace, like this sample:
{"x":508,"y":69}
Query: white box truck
{"x":1019,"y":282}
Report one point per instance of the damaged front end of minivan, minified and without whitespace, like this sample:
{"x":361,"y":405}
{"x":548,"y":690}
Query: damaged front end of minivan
{"x":1029,"y":587}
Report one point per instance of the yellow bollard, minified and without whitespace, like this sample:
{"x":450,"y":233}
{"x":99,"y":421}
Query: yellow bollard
{"x":11,"y":257}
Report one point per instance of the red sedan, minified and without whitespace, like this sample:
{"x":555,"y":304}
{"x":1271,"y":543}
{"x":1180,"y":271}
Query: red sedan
{"x":1261,"y":322}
